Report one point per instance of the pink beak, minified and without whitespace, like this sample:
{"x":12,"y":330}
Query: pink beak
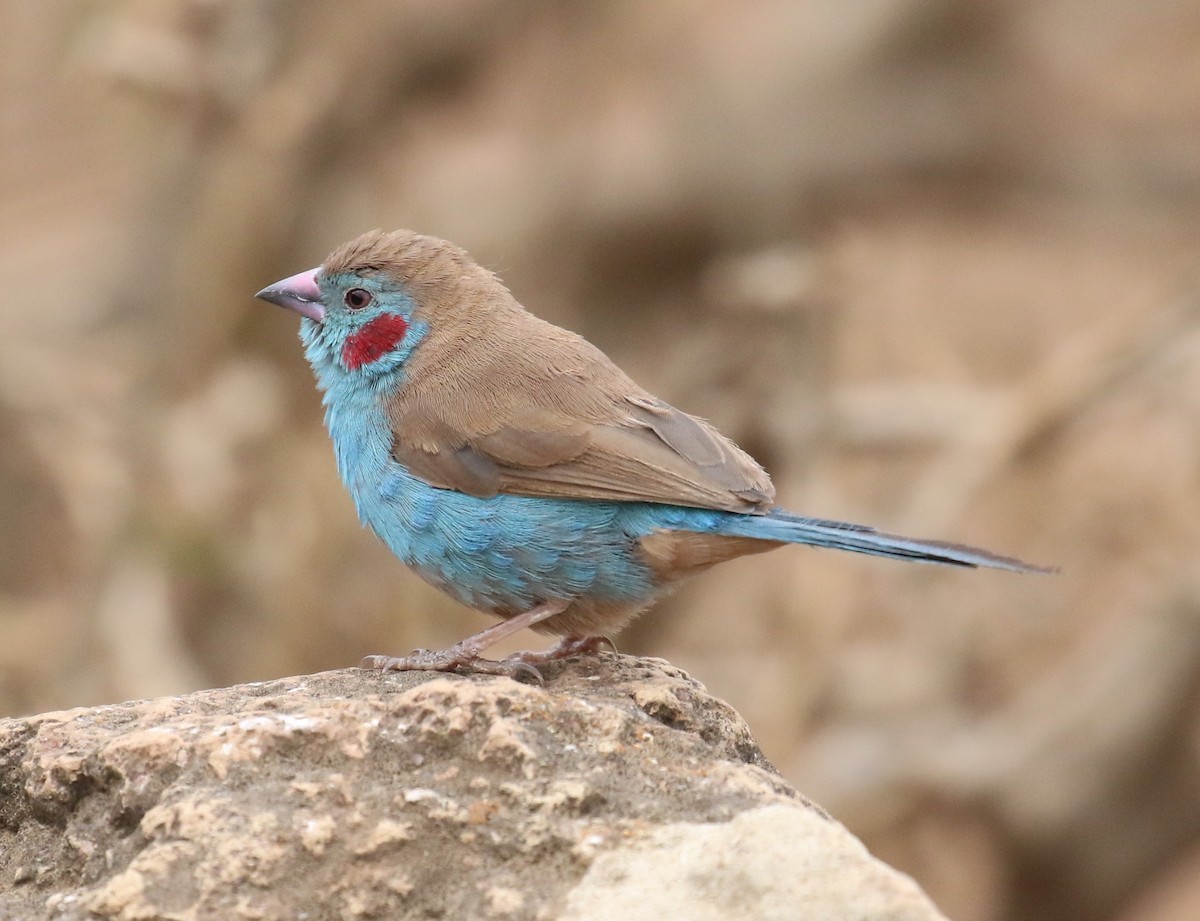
{"x":299,"y":293}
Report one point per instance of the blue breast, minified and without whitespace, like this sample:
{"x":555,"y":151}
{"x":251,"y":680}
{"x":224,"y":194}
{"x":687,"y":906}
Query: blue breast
{"x":504,"y":553}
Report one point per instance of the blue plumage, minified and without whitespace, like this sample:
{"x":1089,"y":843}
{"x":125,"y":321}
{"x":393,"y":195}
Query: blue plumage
{"x":512,"y":465}
{"x":501,"y":553}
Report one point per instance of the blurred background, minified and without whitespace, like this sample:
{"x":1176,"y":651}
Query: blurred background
{"x":934,"y":263}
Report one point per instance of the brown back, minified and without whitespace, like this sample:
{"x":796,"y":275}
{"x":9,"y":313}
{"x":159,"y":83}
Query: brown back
{"x":497,"y":400}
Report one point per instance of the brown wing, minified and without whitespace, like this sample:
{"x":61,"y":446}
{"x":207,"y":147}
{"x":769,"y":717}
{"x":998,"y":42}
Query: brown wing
{"x":534,"y":410}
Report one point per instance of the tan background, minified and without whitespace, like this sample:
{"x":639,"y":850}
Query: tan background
{"x":932,"y":262}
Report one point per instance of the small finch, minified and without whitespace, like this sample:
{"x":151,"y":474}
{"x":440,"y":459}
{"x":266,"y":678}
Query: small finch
{"x":511,"y":464}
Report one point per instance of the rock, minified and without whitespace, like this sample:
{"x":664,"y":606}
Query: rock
{"x":620,"y":790}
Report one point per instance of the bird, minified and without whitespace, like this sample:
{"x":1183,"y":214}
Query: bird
{"x":512,"y":464}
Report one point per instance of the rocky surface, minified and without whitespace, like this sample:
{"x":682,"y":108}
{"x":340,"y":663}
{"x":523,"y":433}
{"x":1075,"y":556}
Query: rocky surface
{"x":621,"y":789}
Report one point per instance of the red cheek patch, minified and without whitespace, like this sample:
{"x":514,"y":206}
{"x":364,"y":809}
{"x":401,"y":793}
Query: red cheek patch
{"x":373,"y":341}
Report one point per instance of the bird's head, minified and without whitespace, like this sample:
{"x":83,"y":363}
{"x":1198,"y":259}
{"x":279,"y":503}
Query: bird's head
{"x":370,"y":303}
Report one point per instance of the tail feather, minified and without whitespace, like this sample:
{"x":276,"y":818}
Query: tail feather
{"x":817,"y":532}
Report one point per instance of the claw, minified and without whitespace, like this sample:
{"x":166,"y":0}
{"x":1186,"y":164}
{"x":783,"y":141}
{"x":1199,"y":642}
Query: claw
{"x":511,"y":667}
{"x":453,"y":660}
{"x":464,"y":656}
{"x":373,"y":662}
{"x":394,"y":664}
{"x":567,"y":648}
{"x":534,"y":674}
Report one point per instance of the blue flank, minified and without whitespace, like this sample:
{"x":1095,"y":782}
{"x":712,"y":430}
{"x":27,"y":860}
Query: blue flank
{"x":506,"y":553}
{"x":509,"y":553}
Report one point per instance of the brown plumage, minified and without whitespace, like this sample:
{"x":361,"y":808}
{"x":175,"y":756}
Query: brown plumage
{"x":500,"y":401}
{"x":483,"y":402}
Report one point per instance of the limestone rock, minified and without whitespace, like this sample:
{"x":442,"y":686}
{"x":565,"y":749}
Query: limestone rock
{"x":620,"y":790}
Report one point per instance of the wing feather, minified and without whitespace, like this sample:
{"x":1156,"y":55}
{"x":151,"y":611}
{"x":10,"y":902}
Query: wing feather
{"x":544,"y":413}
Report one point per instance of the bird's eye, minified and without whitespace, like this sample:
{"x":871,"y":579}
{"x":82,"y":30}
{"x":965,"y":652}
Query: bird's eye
{"x":357,"y":298}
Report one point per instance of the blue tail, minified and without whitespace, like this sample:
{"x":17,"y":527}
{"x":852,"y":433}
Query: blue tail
{"x":839,"y":535}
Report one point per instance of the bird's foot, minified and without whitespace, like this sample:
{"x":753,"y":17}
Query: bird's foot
{"x":454,"y":659}
{"x":568,"y":647}
{"x":465,"y":655}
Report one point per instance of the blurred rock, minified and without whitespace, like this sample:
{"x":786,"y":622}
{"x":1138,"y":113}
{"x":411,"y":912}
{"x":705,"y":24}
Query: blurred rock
{"x":621,"y":790}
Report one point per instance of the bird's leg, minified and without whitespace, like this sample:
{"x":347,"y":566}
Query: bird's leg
{"x":566,"y":648}
{"x":466,"y":654}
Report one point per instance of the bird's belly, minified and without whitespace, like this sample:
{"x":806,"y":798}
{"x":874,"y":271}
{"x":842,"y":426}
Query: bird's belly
{"x":507,"y":554}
